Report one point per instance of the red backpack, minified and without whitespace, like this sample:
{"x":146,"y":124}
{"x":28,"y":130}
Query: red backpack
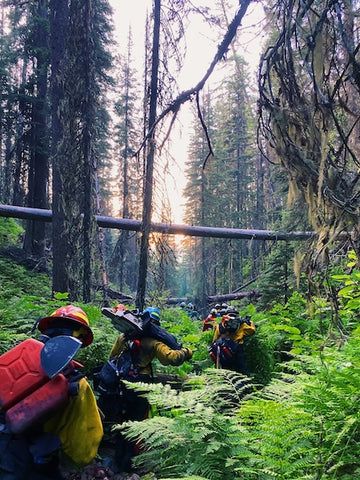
{"x":28,"y":396}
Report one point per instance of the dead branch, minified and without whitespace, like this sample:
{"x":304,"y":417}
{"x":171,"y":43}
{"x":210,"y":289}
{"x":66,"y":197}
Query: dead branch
{"x":188,"y":95}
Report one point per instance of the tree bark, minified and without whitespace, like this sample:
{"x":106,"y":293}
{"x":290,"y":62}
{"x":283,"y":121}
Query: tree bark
{"x":233,"y":296}
{"x":58,"y":27}
{"x":39,"y":168}
{"x":148,"y":190}
{"x":170,"y":229}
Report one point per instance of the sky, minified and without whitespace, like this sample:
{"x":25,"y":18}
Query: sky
{"x":201,"y":48}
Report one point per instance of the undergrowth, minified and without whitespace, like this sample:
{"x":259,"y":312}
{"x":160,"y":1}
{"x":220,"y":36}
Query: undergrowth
{"x":296,"y":417}
{"x":304,"y":423}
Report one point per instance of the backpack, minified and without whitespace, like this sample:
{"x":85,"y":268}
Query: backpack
{"x":136,"y":326}
{"x":223,"y":351}
{"x":107,"y":378}
{"x":107,"y":381}
{"x":28,"y":396}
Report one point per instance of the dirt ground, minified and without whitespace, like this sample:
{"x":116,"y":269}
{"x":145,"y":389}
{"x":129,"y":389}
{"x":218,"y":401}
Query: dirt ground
{"x":103,"y":470}
{"x":98,"y":471}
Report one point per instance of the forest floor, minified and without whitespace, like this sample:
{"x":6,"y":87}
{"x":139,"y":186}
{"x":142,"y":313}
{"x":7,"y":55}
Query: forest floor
{"x":104,"y":466}
{"x":99,"y":470}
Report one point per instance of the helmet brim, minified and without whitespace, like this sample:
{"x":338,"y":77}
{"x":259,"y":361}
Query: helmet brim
{"x":45,"y":323}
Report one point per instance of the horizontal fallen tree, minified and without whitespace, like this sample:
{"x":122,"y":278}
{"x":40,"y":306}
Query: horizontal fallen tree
{"x":215,"y":298}
{"x":43,"y":215}
{"x":233,"y":296}
{"x":172,"y":301}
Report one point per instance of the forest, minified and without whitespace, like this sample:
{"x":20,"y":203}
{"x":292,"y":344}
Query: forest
{"x":88,"y":135}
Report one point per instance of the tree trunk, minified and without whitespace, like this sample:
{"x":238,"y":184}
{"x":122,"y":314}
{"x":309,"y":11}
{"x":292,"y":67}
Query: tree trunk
{"x":148,"y":190}
{"x":88,"y":157}
{"x":39,"y":168}
{"x":58,"y":26}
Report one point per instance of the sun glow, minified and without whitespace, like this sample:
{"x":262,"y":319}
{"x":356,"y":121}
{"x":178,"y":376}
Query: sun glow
{"x":202,"y":46}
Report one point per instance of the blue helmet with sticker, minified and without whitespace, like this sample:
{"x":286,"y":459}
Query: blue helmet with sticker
{"x":154,"y":314}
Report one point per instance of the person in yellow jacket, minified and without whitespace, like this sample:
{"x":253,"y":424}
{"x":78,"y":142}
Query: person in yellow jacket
{"x":119,"y":403}
{"x":227,"y":348}
{"x":75,"y":430}
{"x":147,"y":349}
{"x":79,"y":425}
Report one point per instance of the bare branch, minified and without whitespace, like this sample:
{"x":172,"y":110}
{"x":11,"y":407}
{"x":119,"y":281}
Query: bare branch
{"x":189,"y":94}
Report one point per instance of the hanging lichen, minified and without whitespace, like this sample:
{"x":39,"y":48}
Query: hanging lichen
{"x":309,"y":80}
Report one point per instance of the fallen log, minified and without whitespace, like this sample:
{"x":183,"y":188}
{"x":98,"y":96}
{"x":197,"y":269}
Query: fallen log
{"x":171,"y":301}
{"x":177,"y":300}
{"x":43,"y":215}
{"x":233,"y":296}
{"x":114,"y":295}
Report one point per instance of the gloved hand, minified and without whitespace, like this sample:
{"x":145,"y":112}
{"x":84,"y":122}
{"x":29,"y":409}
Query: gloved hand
{"x":135,"y":346}
{"x":188,"y":353}
{"x":247,"y":320}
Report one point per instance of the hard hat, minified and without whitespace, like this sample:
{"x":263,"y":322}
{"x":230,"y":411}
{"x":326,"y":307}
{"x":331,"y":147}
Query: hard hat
{"x":120,"y":308}
{"x":213,"y":311}
{"x":232,"y":309}
{"x":70,"y":316}
{"x":154,"y":314}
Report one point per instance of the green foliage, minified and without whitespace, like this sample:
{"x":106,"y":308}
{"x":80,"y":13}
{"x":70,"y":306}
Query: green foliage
{"x":17,"y":281}
{"x":277,"y":284}
{"x":350,"y":292}
{"x":305,"y":425}
{"x":196,"y":431}
{"x":296,"y":417}
{"x":20,"y":310}
{"x":9,"y":232}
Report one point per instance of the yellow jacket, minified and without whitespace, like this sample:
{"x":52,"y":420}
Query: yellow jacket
{"x":150,"y":349}
{"x":79,"y":426}
{"x":245,"y":330}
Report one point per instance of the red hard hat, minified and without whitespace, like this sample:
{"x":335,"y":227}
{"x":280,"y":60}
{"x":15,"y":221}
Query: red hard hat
{"x":73,"y":316}
{"x":225,"y":319}
{"x":120,"y":308}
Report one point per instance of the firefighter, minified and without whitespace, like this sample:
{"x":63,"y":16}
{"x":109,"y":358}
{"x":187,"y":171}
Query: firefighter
{"x":227,"y":348}
{"x":210,"y":321}
{"x":73,"y":433}
{"x":133,"y":355}
{"x":192,"y":312}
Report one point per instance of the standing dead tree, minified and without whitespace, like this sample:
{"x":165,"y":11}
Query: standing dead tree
{"x":154,"y":121}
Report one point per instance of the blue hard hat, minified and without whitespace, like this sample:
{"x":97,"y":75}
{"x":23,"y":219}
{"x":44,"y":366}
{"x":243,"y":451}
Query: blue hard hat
{"x":154,"y":314}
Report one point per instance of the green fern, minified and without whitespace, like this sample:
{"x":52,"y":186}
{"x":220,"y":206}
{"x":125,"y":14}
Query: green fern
{"x":303,"y":425}
{"x":196,"y":430}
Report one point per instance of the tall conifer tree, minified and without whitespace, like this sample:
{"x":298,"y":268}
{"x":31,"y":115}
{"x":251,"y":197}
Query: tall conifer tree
{"x":83,"y":74}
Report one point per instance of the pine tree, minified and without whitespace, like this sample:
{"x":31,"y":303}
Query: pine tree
{"x":84,"y":63}
{"x":128,"y":178}
{"x":38,"y":175}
